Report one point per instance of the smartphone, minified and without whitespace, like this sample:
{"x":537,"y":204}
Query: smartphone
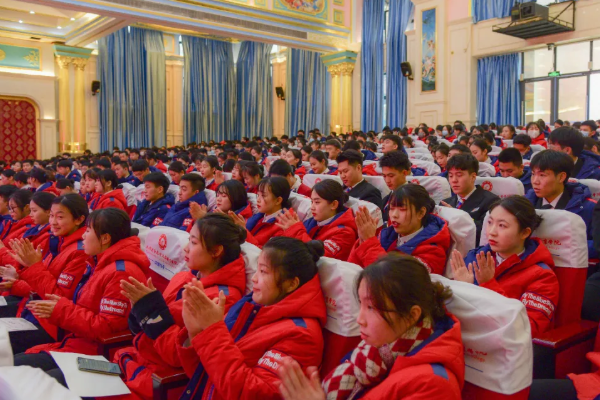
{"x":99,"y":367}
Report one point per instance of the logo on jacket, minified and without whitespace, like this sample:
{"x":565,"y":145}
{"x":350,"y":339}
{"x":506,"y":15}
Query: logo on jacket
{"x":317,"y":180}
{"x":487,"y":185}
{"x":162,"y":241}
{"x":416,"y":182}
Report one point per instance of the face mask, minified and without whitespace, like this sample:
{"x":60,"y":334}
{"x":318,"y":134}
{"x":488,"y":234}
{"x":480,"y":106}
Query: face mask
{"x":533,"y":133}
{"x":444,"y":133}
{"x":211,"y":153}
{"x":421,"y":135}
{"x":142,"y":153}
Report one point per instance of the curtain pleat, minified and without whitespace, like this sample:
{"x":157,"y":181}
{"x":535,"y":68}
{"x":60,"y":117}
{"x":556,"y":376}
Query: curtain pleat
{"x":308,"y":89}
{"x":132,"y":103}
{"x":209,"y":90}
{"x":372,"y":65}
{"x":255,"y":91}
{"x":498,"y":90}
{"x":399,"y":17}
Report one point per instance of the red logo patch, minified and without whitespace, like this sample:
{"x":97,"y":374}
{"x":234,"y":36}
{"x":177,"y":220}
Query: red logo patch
{"x":113,"y":306}
{"x":162,"y":241}
{"x":65,"y":280}
{"x":187,"y":222}
{"x":487,"y":185}
{"x":157,"y":221}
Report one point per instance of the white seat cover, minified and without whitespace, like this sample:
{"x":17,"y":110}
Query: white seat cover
{"x":77,"y":186}
{"x":311,"y":180}
{"x":211,"y":199}
{"x":378,"y":154}
{"x":306,"y":165}
{"x":174,"y":190}
{"x":429,"y":166}
{"x":332,"y":163}
{"x":594,"y":187}
{"x":164,"y":248}
{"x":250,"y":253}
{"x":447,"y":142}
{"x":418,"y":143}
{"x":375,"y":211}
{"x":421,"y":156}
{"x":496,"y":149}
{"x":508,"y":142}
{"x":379,"y":183}
{"x":496,"y":334}
{"x":140,"y":194}
{"x":337,"y":282}
{"x":422,"y":150}
{"x":252,"y":200}
{"x":501,"y":187}
{"x":227,"y":176}
{"x":486,"y":169}
{"x":537,"y":148}
{"x":129,"y":192}
{"x":437,"y":186}
{"x":463,"y":232}
{"x":301,"y":205}
{"x":142,"y":233}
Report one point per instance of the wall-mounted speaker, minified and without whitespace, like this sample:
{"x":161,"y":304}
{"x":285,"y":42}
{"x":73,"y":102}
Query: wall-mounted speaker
{"x":406,"y":70}
{"x":95,"y":87}
{"x":280,"y":93}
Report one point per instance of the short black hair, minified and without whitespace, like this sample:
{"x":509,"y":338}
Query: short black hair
{"x":28,"y":161}
{"x":196,"y":180}
{"x":140,"y":166}
{"x":64,"y":183}
{"x":9,"y":173}
{"x":352,"y":145}
{"x":555,"y":161}
{"x":103,"y":162}
{"x":158,"y":179}
{"x":213,"y":161}
{"x":281,"y":168}
{"x":523,"y":139}
{"x":482,"y":144}
{"x":65,"y":163}
{"x":39,"y":175}
{"x":396,"y":139}
{"x":108,"y":175}
{"x":177,"y":166}
{"x":353,"y":157}
{"x":590,"y":123}
{"x":334,"y":142}
{"x":252,"y":168}
{"x":566,"y":136}
{"x":236,"y":192}
{"x":560,"y":122}
{"x":511,"y":155}
{"x":460,"y":147}
{"x":395,"y":159}
{"x":463,"y":162}
{"x":21,"y":177}
{"x":6,"y":191}
{"x":112,"y":221}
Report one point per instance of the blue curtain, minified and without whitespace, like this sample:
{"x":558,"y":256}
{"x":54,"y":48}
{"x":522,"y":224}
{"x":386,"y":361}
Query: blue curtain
{"x":399,"y":16}
{"x":132,"y":102}
{"x":498,"y":90}
{"x":308,"y":87}
{"x":254,"y":91}
{"x":488,"y":9}
{"x":209,"y":92}
{"x":372,"y":65}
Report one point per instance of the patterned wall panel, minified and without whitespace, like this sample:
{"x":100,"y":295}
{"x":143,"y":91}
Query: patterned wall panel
{"x":18,"y":129}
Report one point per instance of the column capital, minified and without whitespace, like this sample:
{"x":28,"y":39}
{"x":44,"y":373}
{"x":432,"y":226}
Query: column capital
{"x":339,"y":57}
{"x":334,"y":70}
{"x":66,"y":55}
{"x":346,"y":69}
{"x":64,"y":62}
{"x":79,"y":63}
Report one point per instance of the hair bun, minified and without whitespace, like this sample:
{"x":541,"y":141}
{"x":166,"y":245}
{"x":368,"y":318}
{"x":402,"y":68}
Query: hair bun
{"x":316,"y":248}
{"x":243,"y":234}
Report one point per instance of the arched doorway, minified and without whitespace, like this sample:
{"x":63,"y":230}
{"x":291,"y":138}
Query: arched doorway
{"x":19,"y":128}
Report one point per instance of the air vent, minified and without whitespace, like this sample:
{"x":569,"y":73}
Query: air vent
{"x":35,"y":38}
{"x":208,"y":17}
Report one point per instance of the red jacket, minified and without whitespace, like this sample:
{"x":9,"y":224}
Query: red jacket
{"x":155,"y":348}
{"x":16,"y":230}
{"x":337,"y":236}
{"x":429,"y":246}
{"x":541,"y":140}
{"x":58,"y":273}
{"x":160,"y":165}
{"x":98,"y":309}
{"x":38,"y":236}
{"x":259,"y":232}
{"x":240,"y":356}
{"x":92,"y":198}
{"x":303,"y":190}
{"x":435,"y":370}
{"x":300,"y":171}
{"x":212,"y":185}
{"x":114,"y":198}
{"x":370,"y":170}
{"x":529,"y":278}
{"x":48,"y":187}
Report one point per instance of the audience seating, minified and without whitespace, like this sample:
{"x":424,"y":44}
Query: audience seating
{"x":429,"y":166}
{"x":507,"y":142}
{"x":174,"y":190}
{"x":142,"y":233}
{"x":437,"y":186}
{"x":211,"y":199}
{"x":496,"y":149}
{"x":420,"y":150}
{"x":420,"y":156}
{"x":463,"y":232}
{"x":487,"y":170}
{"x":537,"y":148}
{"x":379,"y":183}
{"x":375,"y":211}
{"x":501,"y":187}
{"x":592,"y":184}
{"x":252,"y":200}
{"x":164,"y":248}
{"x":250,"y":253}
{"x":227,"y":175}
{"x":301,"y":205}
{"x":311,"y":180}
{"x":418,"y":143}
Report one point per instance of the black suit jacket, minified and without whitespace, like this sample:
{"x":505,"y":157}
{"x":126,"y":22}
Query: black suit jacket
{"x":477,"y":205}
{"x":367,"y":192}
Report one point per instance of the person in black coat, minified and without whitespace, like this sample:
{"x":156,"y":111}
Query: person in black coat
{"x":350,"y":171}
{"x":462,"y":171}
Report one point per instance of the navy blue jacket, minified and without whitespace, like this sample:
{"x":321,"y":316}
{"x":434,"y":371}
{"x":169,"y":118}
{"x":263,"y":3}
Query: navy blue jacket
{"x":179,"y":215}
{"x":587,"y":166}
{"x":152,"y":214}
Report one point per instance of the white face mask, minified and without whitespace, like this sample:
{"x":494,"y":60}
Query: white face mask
{"x":584,"y":133}
{"x":444,"y":133}
{"x":532,"y":133}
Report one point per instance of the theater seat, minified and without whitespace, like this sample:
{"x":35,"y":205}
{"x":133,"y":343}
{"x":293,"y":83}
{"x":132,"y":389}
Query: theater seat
{"x":496,"y":149}
{"x":306,"y":165}
{"x":592,"y":184}
{"x":227,"y":176}
{"x":174,"y":190}
{"x":463,"y":232}
{"x":501,"y":187}
{"x":142,"y":233}
{"x":252,"y":197}
{"x":421,"y":150}
{"x":301,"y":205}
{"x":375,"y":211}
{"x":164,"y":248}
{"x":311,"y":180}
{"x":129,"y":191}
{"x":418,"y":143}
{"x":437,"y":186}
{"x":341,"y":333}
{"x":250,"y":253}
{"x":379,"y":183}
{"x":211,"y":198}
{"x":420,"y":156}
{"x":486,"y":169}
{"x":508,"y":142}
{"x":497,"y":338}
{"x":429,"y":166}
{"x":537,"y":148}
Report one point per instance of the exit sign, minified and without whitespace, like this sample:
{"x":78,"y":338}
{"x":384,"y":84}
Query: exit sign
{"x":555,"y":73}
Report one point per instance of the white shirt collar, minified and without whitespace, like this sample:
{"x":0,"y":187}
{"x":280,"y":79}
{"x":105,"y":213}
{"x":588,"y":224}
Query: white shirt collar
{"x":500,"y":260}
{"x":554,"y":202}
{"x":268,"y":217}
{"x":296,"y":184}
{"x":328,"y":220}
{"x":467,"y":196}
{"x":361,"y":181}
{"x":404,"y":239}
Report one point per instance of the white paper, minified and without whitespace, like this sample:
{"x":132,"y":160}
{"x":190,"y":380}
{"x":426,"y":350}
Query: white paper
{"x":16,"y":384}
{"x":3,"y":301}
{"x":88,"y":384}
{"x":17,"y":324}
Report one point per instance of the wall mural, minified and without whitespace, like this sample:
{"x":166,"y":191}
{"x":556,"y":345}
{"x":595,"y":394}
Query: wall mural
{"x":20,"y":57}
{"x":316,"y":8}
{"x":428,"y":51}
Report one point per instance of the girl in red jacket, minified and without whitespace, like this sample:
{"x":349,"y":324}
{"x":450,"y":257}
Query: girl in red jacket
{"x":514,"y":264}
{"x":56,"y":273}
{"x":239,"y":354}
{"x":18,"y":209}
{"x":89,"y":182}
{"x":411,"y":347}
{"x":294,"y":158}
{"x":332,"y":223}
{"x":536,"y":133}
{"x":208,"y":167}
{"x":252,"y":174}
{"x":111,"y":194}
{"x":273,"y":196}
{"x":412,"y":230}
{"x":214,"y":257}
{"x":98,"y":309}
{"x":318,"y":164}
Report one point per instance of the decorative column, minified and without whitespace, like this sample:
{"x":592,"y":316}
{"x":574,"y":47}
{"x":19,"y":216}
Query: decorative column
{"x":64,"y":106}
{"x":79,"y":136}
{"x":341,"y":66}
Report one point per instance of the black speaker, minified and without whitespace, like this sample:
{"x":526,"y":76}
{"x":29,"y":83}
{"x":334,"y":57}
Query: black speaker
{"x":95,"y":87}
{"x":406,"y":70}
{"x":280,"y":92}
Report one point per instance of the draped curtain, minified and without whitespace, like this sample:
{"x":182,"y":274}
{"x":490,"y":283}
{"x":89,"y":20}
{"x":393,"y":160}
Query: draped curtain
{"x":209,"y":90}
{"x":372,"y":65}
{"x":308,"y":88}
{"x":132,"y":98}
{"x":498,"y":90}
{"x":254,"y":91}
{"x":399,"y":17}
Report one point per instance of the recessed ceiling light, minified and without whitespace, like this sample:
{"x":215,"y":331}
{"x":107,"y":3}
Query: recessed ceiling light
{"x":72,"y":19}
{"x":20,"y":21}
{"x":59,"y":27}
{"x":31,"y":12}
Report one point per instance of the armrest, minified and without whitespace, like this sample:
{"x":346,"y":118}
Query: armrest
{"x":172,"y":378}
{"x":161,"y":385}
{"x":567,"y":335}
{"x":124,"y":336}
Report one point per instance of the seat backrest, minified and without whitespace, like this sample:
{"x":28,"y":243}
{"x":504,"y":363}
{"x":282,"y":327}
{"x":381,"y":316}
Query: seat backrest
{"x":311,"y":180}
{"x":429,"y":166}
{"x":174,"y":190}
{"x":375,"y":211}
{"x":422,"y":150}
{"x":496,"y":149}
{"x":140,"y":194}
{"x":341,"y":332}
{"x":211,"y":198}
{"x":301,"y":205}
{"x":418,"y":143}
{"x":501,"y":187}
{"x":142,"y":233}
{"x":129,"y":192}
{"x":486,"y":169}
{"x":250,"y":253}
{"x":378,"y":154}
{"x":593,"y":185}
{"x":437,"y":186}
{"x":379,"y":183}
{"x":508,"y":142}
{"x":164,"y":247}
{"x":77,"y":186}
{"x":537,"y":148}
{"x":564,"y":234}
{"x":446,"y":142}
{"x":306,"y":165}
{"x":227,"y":176}
{"x":463,"y":232}
{"x":496,"y":335}
{"x":252,"y":200}
{"x":332,"y":163}
{"x":420,"y":156}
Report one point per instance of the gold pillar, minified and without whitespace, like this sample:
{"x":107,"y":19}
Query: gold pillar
{"x":79,"y":135}
{"x":346,"y":106}
{"x":64,"y":106}
{"x":336,"y":114}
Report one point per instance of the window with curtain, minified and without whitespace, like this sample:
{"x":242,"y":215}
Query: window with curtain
{"x":372,"y":59}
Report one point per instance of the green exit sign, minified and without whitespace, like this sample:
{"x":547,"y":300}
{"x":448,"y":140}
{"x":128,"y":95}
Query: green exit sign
{"x":555,"y":73}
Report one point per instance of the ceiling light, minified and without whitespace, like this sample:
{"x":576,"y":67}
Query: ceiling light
{"x":20,"y":21}
{"x":72,"y":19}
{"x":31,"y":12}
{"x":59,"y":27}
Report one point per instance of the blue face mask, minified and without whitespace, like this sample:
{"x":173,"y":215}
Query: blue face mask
{"x":444,"y":133}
